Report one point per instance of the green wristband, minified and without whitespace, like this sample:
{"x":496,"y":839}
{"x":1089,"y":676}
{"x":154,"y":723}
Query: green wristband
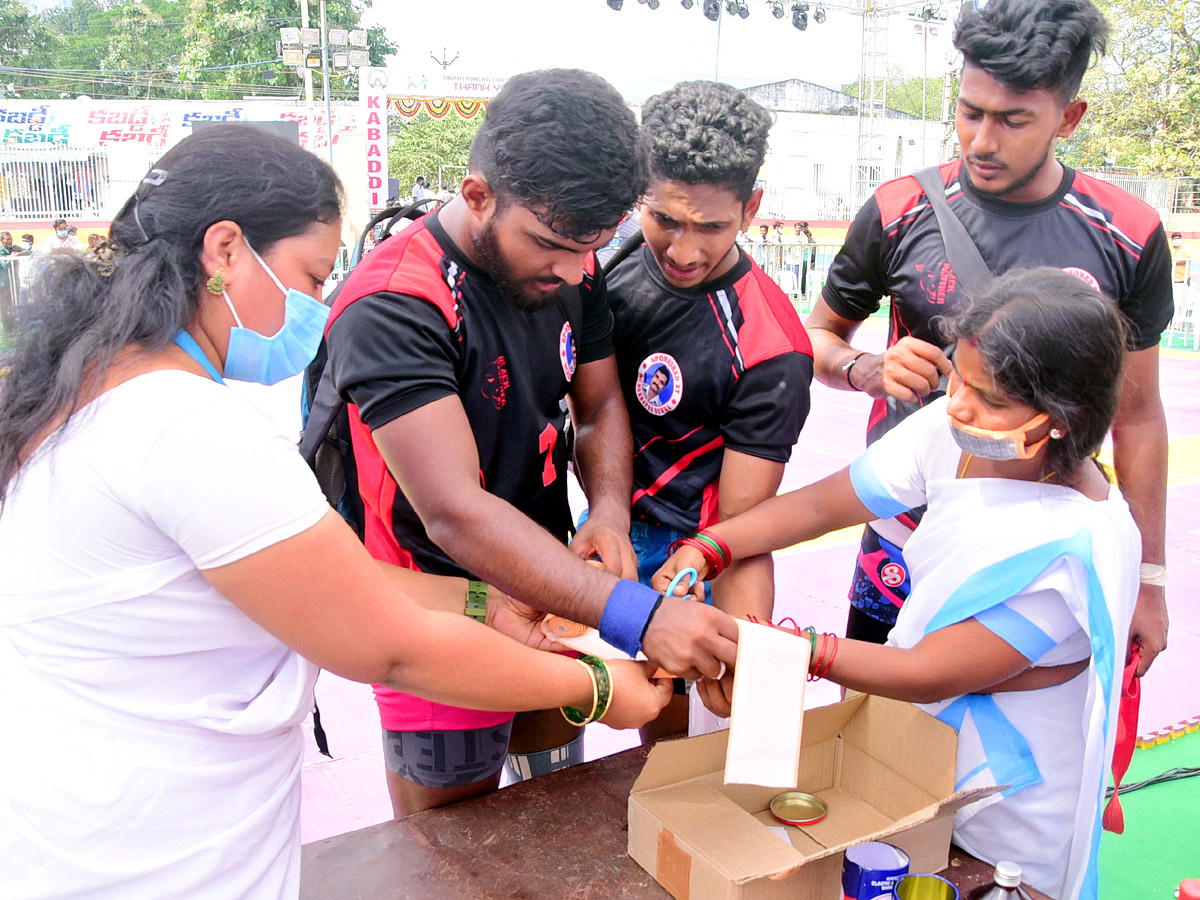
{"x":477,"y":596}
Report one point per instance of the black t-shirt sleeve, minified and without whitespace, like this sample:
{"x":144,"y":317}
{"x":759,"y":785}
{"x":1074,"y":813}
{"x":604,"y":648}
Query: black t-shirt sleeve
{"x":858,"y":279}
{"x":596,"y":342}
{"x":769,"y":405}
{"x":1151,"y":303}
{"x":390,"y":354}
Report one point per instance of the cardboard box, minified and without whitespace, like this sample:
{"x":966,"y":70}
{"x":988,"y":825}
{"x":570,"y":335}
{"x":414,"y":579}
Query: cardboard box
{"x":885,"y":768}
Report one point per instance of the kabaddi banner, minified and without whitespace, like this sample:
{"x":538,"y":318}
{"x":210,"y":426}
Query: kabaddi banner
{"x":373,"y":99}
{"x":154,"y":124}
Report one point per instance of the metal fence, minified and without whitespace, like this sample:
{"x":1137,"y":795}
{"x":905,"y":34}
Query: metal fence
{"x":37,"y":184}
{"x":799,"y":269}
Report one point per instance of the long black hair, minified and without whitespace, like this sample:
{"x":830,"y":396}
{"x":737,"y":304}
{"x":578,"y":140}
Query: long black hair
{"x":80,"y":320}
{"x":1051,"y":342}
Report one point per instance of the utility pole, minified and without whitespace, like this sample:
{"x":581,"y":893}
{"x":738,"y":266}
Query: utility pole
{"x":325,"y":75}
{"x":307,"y":73}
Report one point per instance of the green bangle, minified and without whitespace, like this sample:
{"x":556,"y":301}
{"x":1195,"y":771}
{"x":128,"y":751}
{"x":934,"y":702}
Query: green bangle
{"x":712,"y":543}
{"x":477,"y":597}
{"x":602,"y":691}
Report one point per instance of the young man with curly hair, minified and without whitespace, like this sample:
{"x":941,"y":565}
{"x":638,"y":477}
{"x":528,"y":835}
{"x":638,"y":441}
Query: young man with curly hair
{"x":1023,"y":62}
{"x":712,"y":359}
{"x":456,"y":344}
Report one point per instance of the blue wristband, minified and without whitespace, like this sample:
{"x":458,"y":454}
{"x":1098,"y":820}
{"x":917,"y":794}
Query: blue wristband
{"x":627,"y":614}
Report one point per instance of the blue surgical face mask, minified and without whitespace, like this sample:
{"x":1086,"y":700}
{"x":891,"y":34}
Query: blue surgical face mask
{"x":268,"y":360}
{"x":62,"y":234}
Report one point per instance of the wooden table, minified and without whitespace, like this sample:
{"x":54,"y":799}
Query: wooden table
{"x":558,"y":837}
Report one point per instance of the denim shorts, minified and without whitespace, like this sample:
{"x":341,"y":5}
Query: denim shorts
{"x":650,"y":543}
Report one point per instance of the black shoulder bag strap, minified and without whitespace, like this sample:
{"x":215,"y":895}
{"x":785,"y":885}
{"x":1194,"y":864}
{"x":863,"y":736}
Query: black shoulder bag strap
{"x":968,"y":266}
{"x":628,"y":245}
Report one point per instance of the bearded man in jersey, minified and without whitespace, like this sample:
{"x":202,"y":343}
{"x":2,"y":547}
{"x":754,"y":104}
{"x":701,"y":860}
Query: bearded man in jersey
{"x":711,"y":437}
{"x":1023,"y":62}
{"x":458,"y":344}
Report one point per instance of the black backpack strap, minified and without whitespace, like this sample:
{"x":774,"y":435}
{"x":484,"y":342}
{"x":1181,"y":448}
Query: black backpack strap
{"x":326,"y":404}
{"x":628,"y":245}
{"x":969,"y":267}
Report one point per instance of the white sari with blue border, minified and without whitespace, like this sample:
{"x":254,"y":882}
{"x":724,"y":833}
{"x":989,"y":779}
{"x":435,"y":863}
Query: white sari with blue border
{"x":982,"y":543}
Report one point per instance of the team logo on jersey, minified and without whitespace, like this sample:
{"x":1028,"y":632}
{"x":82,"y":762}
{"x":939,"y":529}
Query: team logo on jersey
{"x":937,"y":281}
{"x":495,"y":382}
{"x":659,"y":383}
{"x":893,"y":575}
{"x":1083,"y":275}
{"x":566,"y":351}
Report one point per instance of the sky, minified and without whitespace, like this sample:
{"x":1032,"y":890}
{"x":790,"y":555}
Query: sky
{"x":643,"y":51}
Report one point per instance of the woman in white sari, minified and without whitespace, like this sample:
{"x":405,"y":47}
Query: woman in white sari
{"x":1024,"y":569}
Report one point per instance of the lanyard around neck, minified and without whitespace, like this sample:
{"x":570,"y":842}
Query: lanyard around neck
{"x":192,"y":349}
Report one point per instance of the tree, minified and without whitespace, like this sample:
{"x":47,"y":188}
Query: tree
{"x":418,"y":146}
{"x":216,"y":49}
{"x":904,"y":94}
{"x":25,"y":43}
{"x":241,"y":36}
{"x":1145,"y":94}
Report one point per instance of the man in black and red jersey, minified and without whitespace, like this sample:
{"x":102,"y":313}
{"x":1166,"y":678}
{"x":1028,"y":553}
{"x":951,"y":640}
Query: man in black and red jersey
{"x":459,"y":344}
{"x":714,"y":363}
{"x":1023,"y":62}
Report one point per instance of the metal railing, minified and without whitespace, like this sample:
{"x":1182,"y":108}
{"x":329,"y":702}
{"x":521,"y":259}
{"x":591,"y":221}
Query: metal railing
{"x":798,"y":269}
{"x":35,"y":184}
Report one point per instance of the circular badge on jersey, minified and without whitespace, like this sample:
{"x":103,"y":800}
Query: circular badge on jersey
{"x":566,"y":351}
{"x":892,"y":574}
{"x":659,"y":383}
{"x":1083,"y":275}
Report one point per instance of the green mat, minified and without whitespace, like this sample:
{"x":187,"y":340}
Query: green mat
{"x":1161,"y":843}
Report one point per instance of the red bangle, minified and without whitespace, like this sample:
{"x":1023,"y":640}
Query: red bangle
{"x":712,"y":557}
{"x":815,"y":669}
{"x":724,"y":547}
{"x":823,"y":669}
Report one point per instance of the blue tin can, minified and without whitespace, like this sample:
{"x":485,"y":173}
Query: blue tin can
{"x":871,"y":871}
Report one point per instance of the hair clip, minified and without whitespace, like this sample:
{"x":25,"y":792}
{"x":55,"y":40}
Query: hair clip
{"x":155,"y":177}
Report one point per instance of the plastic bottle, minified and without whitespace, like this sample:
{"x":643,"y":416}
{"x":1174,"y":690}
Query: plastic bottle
{"x":1006,"y":884}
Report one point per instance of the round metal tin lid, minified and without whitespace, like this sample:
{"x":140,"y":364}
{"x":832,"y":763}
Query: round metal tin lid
{"x":798,"y":808}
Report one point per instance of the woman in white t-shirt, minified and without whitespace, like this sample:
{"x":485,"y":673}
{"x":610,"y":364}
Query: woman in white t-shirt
{"x":1024,"y":569}
{"x":171,"y":577}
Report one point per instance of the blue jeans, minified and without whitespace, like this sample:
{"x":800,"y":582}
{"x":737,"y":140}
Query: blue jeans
{"x":650,"y":543}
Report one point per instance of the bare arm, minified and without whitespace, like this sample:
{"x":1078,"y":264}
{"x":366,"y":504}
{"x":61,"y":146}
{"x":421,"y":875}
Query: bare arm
{"x":483,"y":533}
{"x":747,"y":587}
{"x":322,"y":595}
{"x":960,"y":659}
{"x":1140,"y":457}
{"x":907,"y":370}
{"x":490,"y":537}
{"x":604,"y":453}
{"x":791,"y":518}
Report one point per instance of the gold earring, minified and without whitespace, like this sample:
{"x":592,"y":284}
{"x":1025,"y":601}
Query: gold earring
{"x":216,"y":284}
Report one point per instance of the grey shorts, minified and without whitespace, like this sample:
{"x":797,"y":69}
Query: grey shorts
{"x":441,"y":759}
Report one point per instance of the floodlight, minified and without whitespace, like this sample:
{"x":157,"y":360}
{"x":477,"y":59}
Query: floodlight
{"x":653,"y":4}
{"x":712,"y":10}
{"x":926,"y":12}
{"x":819,"y":15}
{"x":615,"y":4}
{"x":743,"y":10}
{"x":777,"y":9}
{"x":800,"y":16}
{"x":686,"y":4}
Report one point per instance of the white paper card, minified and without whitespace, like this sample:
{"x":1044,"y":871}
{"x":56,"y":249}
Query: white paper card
{"x":768,"y":707}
